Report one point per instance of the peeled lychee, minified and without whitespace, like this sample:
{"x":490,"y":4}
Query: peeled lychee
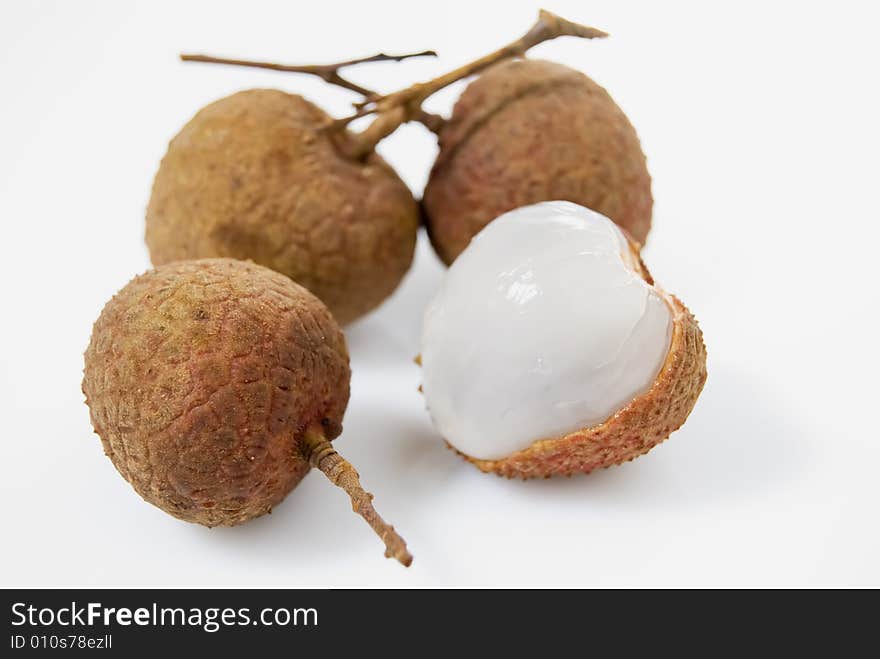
{"x":215,"y":385}
{"x":258,"y":175}
{"x":550,"y":350}
{"x":527,"y":131}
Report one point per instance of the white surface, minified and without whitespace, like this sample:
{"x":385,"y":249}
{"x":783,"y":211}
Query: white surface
{"x":760,"y":124}
{"x":542,"y":326}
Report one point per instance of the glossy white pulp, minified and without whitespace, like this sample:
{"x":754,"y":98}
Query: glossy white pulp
{"x":542,"y":326}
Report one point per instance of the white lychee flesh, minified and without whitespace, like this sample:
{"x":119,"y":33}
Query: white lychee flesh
{"x":542,"y":326}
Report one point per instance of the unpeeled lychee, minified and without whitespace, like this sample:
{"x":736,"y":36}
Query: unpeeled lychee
{"x":258,"y":175}
{"x":527,"y":131}
{"x":215,"y":385}
{"x":550,"y":350}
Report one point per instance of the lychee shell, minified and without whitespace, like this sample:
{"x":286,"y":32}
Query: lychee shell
{"x":527,"y":131}
{"x":256,"y":176}
{"x":201,"y":377}
{"x":634,"y":430}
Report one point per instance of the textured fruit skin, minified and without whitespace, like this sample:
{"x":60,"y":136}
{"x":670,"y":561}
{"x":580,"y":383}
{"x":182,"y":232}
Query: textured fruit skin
{"x":527,"y":131}
{"x":201,"y":377}
{"x":634,"y":430}
{"x":255,"y":176}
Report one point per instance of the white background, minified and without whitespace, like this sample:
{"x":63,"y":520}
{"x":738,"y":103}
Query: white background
{"x":760,"y":121}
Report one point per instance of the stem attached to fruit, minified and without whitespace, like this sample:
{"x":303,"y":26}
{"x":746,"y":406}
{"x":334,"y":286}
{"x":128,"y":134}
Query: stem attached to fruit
{"x":341,"y":473}
{"x":405,"y":105}
{"x":330,"y":74}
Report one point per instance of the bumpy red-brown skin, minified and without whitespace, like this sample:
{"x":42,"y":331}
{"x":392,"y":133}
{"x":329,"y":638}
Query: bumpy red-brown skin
{"x":527,"y":131}
{"x":645,"y":422}
{"x":201,"y":377}
{"x":256,"y":176}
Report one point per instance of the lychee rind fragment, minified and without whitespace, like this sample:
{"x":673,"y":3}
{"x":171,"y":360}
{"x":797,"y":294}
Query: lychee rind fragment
{"x":202,"y":378}
{"x":257,"y":176}
{"x":527,"y":131}
{"x":634,"y":430}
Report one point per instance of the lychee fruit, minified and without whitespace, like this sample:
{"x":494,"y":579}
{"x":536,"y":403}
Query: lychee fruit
{"x":259,"y":175}
{"x":527,"y":131}
{"x":215,"y":385}
{"x":549,"y":349}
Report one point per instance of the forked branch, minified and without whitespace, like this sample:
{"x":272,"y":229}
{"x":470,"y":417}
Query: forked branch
{"x":327,"y":72}
{"x":405,"y":105}
{"x":330,"y":74}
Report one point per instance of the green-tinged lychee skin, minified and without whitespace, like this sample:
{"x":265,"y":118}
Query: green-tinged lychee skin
{"x":201,"y":378}
{"x":527,"y":131}
{"x":257,"y":176}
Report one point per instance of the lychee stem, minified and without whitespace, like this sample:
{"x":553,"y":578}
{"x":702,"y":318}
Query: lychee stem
{"x":330,"y":74}
{"x":327,"y":72}
{"x":399,"y":107}
{"x":341,"y":473}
